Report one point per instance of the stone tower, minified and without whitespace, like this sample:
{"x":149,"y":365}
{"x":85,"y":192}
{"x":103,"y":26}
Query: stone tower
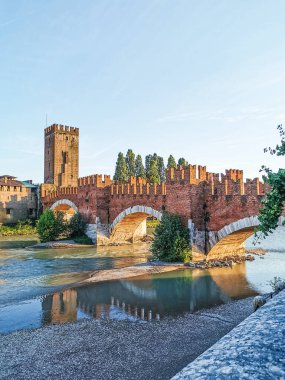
{"x":61,"y":155}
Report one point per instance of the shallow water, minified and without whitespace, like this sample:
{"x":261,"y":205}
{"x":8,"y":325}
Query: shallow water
{"x":31,"y":285}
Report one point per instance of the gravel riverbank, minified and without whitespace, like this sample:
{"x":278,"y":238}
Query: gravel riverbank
{"x":105,"y":350}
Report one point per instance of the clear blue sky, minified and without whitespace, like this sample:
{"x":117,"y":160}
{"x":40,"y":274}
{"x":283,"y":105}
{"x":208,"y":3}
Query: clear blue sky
{"x":200,"y":79}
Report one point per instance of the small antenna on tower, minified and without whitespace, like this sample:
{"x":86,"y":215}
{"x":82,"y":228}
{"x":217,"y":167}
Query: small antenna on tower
{"x":46,"y":120}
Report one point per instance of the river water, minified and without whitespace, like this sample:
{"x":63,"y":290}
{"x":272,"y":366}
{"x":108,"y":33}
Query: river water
{"x":35,"y":284}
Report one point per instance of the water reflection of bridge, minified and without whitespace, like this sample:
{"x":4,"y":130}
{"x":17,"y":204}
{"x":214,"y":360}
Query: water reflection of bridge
{"x":149,"y":297}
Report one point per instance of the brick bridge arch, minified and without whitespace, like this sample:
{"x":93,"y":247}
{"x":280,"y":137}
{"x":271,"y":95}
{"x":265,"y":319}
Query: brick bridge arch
{"x":231,"y":238}
{"x":130,"y":224}
{"x":66,"y":206}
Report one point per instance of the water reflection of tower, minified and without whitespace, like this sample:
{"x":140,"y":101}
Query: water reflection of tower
{"x":60,"y":307}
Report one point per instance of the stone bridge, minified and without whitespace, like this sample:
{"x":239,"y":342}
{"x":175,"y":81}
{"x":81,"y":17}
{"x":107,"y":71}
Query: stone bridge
{"x":220,"y":210}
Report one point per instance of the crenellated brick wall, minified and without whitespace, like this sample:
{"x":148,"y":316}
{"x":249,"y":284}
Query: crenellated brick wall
{"x":210,"y":201}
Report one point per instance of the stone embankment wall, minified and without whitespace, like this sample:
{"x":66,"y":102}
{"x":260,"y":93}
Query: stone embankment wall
{"x":252,"y":350}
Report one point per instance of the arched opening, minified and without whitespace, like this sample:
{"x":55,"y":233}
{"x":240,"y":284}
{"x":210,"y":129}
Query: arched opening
{"x":65,"y":206}
{"x":130,"y":225}
{"x":231,"y":245}
{"x":230,"y":240}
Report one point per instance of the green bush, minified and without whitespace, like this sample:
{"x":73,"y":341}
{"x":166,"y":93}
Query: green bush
{"x":51,"y":225}
{"x":171,"y":240}
{"x":77,"y":226}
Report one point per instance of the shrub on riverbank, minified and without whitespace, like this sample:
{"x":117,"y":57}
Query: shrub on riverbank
{"x":171,"y":240}
{"x":25,"y":227}
{"x":77,"y":226}
{"x":51,"y":225}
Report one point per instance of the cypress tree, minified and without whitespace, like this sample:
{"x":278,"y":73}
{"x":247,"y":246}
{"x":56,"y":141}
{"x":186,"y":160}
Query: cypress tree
{"x":130,"y":161}
{"x":171,"y":162}
{"x":139,"y":168}
{"x":148,"y":159}
{"x":182,"y":161}
{"x":161,"y":169}
{"x":153,"y":172}
{"x":121,"y":172}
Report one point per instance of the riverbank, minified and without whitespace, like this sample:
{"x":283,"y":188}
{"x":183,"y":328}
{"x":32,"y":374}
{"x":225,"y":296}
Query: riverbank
{"x":102,"y":349}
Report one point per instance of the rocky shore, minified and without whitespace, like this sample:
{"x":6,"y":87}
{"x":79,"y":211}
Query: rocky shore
{"x":131,"y":271}
{"x":100,"y":349}
{"x":59,"y":244}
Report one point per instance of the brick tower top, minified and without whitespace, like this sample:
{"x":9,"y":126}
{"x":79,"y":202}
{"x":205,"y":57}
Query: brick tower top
{"x":61,"y":155}
{"x":61,"y":129}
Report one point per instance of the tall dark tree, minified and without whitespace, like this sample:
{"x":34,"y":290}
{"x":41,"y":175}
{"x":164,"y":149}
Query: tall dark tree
{"x":121,"y":172}
{"x":153,"y":172}
{"x":182,"y":161}
{"x":130,"y":161}
{"x":148,"y":159}
{"x":139,"y":168}
{"x":161,"y":169}
{"x":171,"y":163}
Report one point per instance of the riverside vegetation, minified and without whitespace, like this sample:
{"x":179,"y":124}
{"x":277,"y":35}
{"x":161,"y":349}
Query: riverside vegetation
{"x":24,"y":227}
{"x":52,"y":226}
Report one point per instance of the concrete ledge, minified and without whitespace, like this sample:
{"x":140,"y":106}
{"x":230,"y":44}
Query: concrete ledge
{"x":252,"y":350}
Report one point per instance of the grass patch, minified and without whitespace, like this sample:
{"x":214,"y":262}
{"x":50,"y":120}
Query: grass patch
{"x":152,"y":223}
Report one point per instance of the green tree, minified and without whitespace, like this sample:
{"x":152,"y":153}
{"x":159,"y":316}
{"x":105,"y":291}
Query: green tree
{"x":130,"y":161}
{"x":161,"y":169}
{"x":77,"y":225}
{"x":171,"y":240}
{"x":275,"y":198}
{"x":121,"y":172}
{"x":139,"y":168}
{"x":171,"y":163}
{"x":153,"y":172}
{"x":148,"y":159}
{"x":51,"y":225}
{"x":182,"y":161}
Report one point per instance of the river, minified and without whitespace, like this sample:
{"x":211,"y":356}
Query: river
{"x":33,"y":284}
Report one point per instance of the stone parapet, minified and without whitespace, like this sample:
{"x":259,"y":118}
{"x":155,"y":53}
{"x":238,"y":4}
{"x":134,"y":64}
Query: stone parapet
{"x":252,"y":350}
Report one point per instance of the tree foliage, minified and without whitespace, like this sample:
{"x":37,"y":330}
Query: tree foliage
{"x":275,"y":198}
{"x":76,"y":226}
{"x":51,"y":225}
{"x":132,"y":165}
{"x":130,"y":161}
{"x":182,"y":161}
{"x":121,"y":172}
{"x":171,"y":240}
{"x":161,"y":169}
{"x":139,"y":168}
{"x":153,"y":172}
{"x":171,"y":163}
{"x":148,"y":159}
